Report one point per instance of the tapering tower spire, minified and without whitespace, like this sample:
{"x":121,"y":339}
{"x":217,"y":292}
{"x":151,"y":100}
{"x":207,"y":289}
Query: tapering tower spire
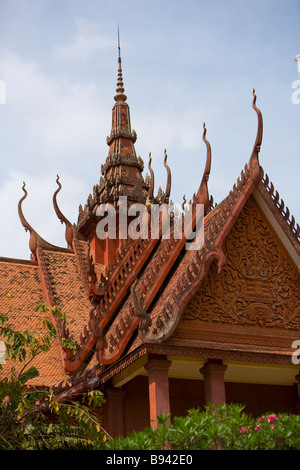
{"x":122,"y":171}
{"x":121,"y":174}
{"x":120,"y":85}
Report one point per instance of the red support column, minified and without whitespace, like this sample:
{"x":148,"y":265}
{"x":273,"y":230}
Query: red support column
{"x":214,"y":384}
{"x":159,"y":399}
{"x":115,"y":416}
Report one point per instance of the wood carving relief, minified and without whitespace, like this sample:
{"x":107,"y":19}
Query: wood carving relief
{"x":258,"y":286}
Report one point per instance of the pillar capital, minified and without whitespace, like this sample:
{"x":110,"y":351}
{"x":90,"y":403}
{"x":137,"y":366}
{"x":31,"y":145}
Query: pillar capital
{"x":213,"y":368}
{"x":157,"y":364}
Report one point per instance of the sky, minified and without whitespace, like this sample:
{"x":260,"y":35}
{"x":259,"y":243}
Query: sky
{"x":184,"y":63}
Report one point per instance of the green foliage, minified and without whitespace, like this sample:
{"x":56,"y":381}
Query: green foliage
{"x":31,"y":418}
{"x":224,"y":427}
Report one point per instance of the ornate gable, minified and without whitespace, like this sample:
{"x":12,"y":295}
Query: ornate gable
{"x":257,"y":292}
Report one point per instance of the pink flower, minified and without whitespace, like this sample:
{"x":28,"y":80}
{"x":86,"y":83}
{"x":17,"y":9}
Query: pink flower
{"x":242,"y":430}
{"x":257,"y":427}
{"x":272,"y":426}
{"x":261,"y":418}
{"x":272,"y":418}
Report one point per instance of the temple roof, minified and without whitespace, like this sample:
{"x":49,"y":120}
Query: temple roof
{"x":138,"y":300}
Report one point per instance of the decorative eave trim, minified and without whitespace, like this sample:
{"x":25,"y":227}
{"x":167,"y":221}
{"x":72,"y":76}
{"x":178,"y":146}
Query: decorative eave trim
{"x":98,"y":377}
{"x":192,"y":352}
{"x":115,"y":159}
{"x":121,"y":134}
{"x":280,"y":211}
{"x":229,"y":354}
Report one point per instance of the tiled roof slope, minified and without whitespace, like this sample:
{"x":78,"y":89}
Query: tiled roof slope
{"x":67,"y":290}
{"x":56,"y":279}
{"x":21,"y":280}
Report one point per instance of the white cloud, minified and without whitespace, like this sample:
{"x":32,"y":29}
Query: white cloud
{"x":84,"y":44}
{"x":167,"y":129}
{"x":59,"y":118}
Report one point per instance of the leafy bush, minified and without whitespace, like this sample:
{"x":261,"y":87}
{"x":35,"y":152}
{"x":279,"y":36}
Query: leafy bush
{"x":31,"y":418}
{"x":225,"y":427}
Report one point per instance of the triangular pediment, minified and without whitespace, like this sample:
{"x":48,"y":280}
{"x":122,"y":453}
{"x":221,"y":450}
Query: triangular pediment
{"x":257,"y":292}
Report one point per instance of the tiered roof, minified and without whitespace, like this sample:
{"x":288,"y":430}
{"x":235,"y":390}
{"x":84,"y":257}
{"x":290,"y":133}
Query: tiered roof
{"x":117,"y":312}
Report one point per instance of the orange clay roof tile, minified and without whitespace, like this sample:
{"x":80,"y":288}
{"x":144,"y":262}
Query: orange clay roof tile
{"x":22,"y":281}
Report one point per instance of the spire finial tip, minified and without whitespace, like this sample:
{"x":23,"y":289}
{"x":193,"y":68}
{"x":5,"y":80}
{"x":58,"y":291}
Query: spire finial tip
{"x":119,"y":47}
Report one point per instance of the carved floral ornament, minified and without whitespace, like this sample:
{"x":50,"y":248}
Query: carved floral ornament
{"x":258,"y":286}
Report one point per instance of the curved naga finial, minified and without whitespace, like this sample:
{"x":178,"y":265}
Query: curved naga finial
{"x":24,"y":222}
{"x":69,"y":228}
{"x":203,"y":194}
{"x":166,"y":197}
{"x":35,"y":239}
{"x":254,"y":162}
{"x":150,"y":197}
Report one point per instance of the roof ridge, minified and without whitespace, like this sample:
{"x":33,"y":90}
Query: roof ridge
{"x":28,"y":262}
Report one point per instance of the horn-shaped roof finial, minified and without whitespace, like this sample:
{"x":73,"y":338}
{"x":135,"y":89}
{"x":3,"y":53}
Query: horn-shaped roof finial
{"x":254,"y":161}
{"x":168,"y":186}
{"x":69,"y":227}
{"x":24,"y":222}
{"x":150,"y":196}
{"x":35,"y":239}
{"x":203,"y":194}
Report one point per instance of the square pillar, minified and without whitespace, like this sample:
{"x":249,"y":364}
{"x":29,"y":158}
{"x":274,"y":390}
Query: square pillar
{"x":214,"y":384}
{"x":114,"y":405}
{"x":159,"y":399}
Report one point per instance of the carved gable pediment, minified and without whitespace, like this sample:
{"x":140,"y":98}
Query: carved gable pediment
{"x":258,"y":289}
